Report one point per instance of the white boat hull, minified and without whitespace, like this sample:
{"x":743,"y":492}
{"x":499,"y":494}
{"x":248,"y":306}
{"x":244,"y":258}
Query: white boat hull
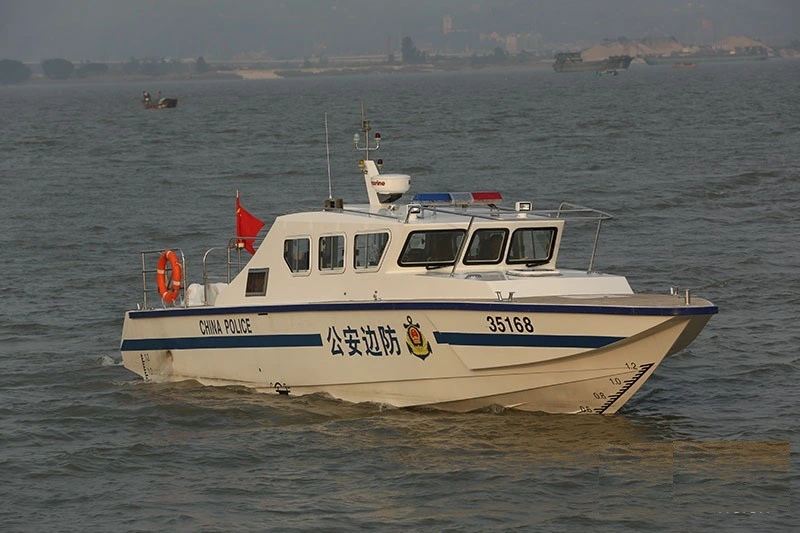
{"x":559,"y":355}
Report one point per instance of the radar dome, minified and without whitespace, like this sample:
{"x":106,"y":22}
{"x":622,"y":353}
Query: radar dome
{"x":390,"y":187}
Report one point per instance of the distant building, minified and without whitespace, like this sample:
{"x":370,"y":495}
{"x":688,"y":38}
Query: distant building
{"x":512,"y":43}
{"x":447,"y":24}
{"x":530,"y":42}
{"x":493,"y":37}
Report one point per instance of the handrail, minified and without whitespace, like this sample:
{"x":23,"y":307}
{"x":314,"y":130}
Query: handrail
{"x":360,"y":212}
{"x":146,"y":271}
{"x":601,"y":216}
{"x":472,"y":216}
{"x":565,"y":208}
{"x":205,"y":271}
{"x":576,"y":208}
{"x":233,"y":244}
{"x":151,"y":257}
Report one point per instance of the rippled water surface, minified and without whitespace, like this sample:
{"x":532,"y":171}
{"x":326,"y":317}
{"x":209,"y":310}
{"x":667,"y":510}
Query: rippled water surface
{"x":701,"y":169}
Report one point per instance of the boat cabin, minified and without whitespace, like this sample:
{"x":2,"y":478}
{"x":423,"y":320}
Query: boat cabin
{"x":441,"y":247}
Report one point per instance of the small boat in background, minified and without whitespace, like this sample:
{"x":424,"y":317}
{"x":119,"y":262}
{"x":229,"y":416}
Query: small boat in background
{"x":162,"y":103}
{"x":684,"y":64}
{"x":573,"y":62}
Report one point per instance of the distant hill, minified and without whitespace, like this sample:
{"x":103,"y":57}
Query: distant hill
{"x":663,"y":46}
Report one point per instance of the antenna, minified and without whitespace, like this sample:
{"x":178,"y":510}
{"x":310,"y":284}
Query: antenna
{"x":328,"y":153}
{"x":365,"y":128}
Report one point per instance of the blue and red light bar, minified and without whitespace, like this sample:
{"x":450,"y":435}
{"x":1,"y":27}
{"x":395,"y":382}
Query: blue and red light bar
{"x":458,"y":198}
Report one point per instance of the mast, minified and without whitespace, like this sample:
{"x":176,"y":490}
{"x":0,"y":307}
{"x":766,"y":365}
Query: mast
{"x":365,"y":129}
{"x":382,"y":189}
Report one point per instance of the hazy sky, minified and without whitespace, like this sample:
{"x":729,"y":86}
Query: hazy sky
{"x":104,"y":30}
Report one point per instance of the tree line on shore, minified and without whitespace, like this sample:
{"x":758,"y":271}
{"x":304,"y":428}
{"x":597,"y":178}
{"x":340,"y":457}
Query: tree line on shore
{"x":14,"y":71}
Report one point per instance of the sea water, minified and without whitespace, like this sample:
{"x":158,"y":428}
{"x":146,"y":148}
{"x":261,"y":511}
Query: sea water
{"x":700,"y":167}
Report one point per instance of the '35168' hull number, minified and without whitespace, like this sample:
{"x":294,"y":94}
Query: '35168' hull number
{"x":507,"y":324}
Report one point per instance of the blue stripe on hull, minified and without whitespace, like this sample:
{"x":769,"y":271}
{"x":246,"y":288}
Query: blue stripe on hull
{"x":249,"y":341}
{"x":315,"y":340}
{"x":527,"y":341}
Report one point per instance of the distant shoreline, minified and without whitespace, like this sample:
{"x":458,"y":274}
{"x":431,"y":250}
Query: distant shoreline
{"x":287,"y":73}
{"x":265,"y":68}
{"x":40,"y":79}
{"x":261,"y":74}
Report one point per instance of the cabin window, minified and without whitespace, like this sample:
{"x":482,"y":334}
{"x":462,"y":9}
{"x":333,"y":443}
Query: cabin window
{"x":486,"y":246}
{"x":532,"y":246}
{"x":295,"y":253}
{"x":257,"y":282}
{"x":368,"y":250}
{"x":431,"y":248}
{"x":331,"y":253}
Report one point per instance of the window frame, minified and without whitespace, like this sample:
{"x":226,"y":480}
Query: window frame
{"x":298,"y":272}
{"x":500,"y":256}
{"x":430,"y":263}
{"x":251,"y":272}
{"x":356,"y":250}
{"x":339,"y":261}
{"x":553,"y":230}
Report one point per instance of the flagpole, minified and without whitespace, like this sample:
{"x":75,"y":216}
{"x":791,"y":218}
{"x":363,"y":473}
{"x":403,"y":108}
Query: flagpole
{"x":239,"y":242}
{"x":328,"y":153}
{"x":247,"y":227}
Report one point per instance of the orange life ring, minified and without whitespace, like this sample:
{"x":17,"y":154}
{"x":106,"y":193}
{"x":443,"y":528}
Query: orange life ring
{"x":169,"y":292}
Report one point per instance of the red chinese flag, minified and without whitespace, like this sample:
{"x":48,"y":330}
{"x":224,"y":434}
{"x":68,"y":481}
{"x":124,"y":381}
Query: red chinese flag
{"x":246,"y":226}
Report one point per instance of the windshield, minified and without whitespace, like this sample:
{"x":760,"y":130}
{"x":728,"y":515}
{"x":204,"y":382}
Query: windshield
{"x":432,"y":248}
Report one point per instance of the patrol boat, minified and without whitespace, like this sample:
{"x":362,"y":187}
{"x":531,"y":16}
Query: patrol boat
{"x":449,"y":300}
